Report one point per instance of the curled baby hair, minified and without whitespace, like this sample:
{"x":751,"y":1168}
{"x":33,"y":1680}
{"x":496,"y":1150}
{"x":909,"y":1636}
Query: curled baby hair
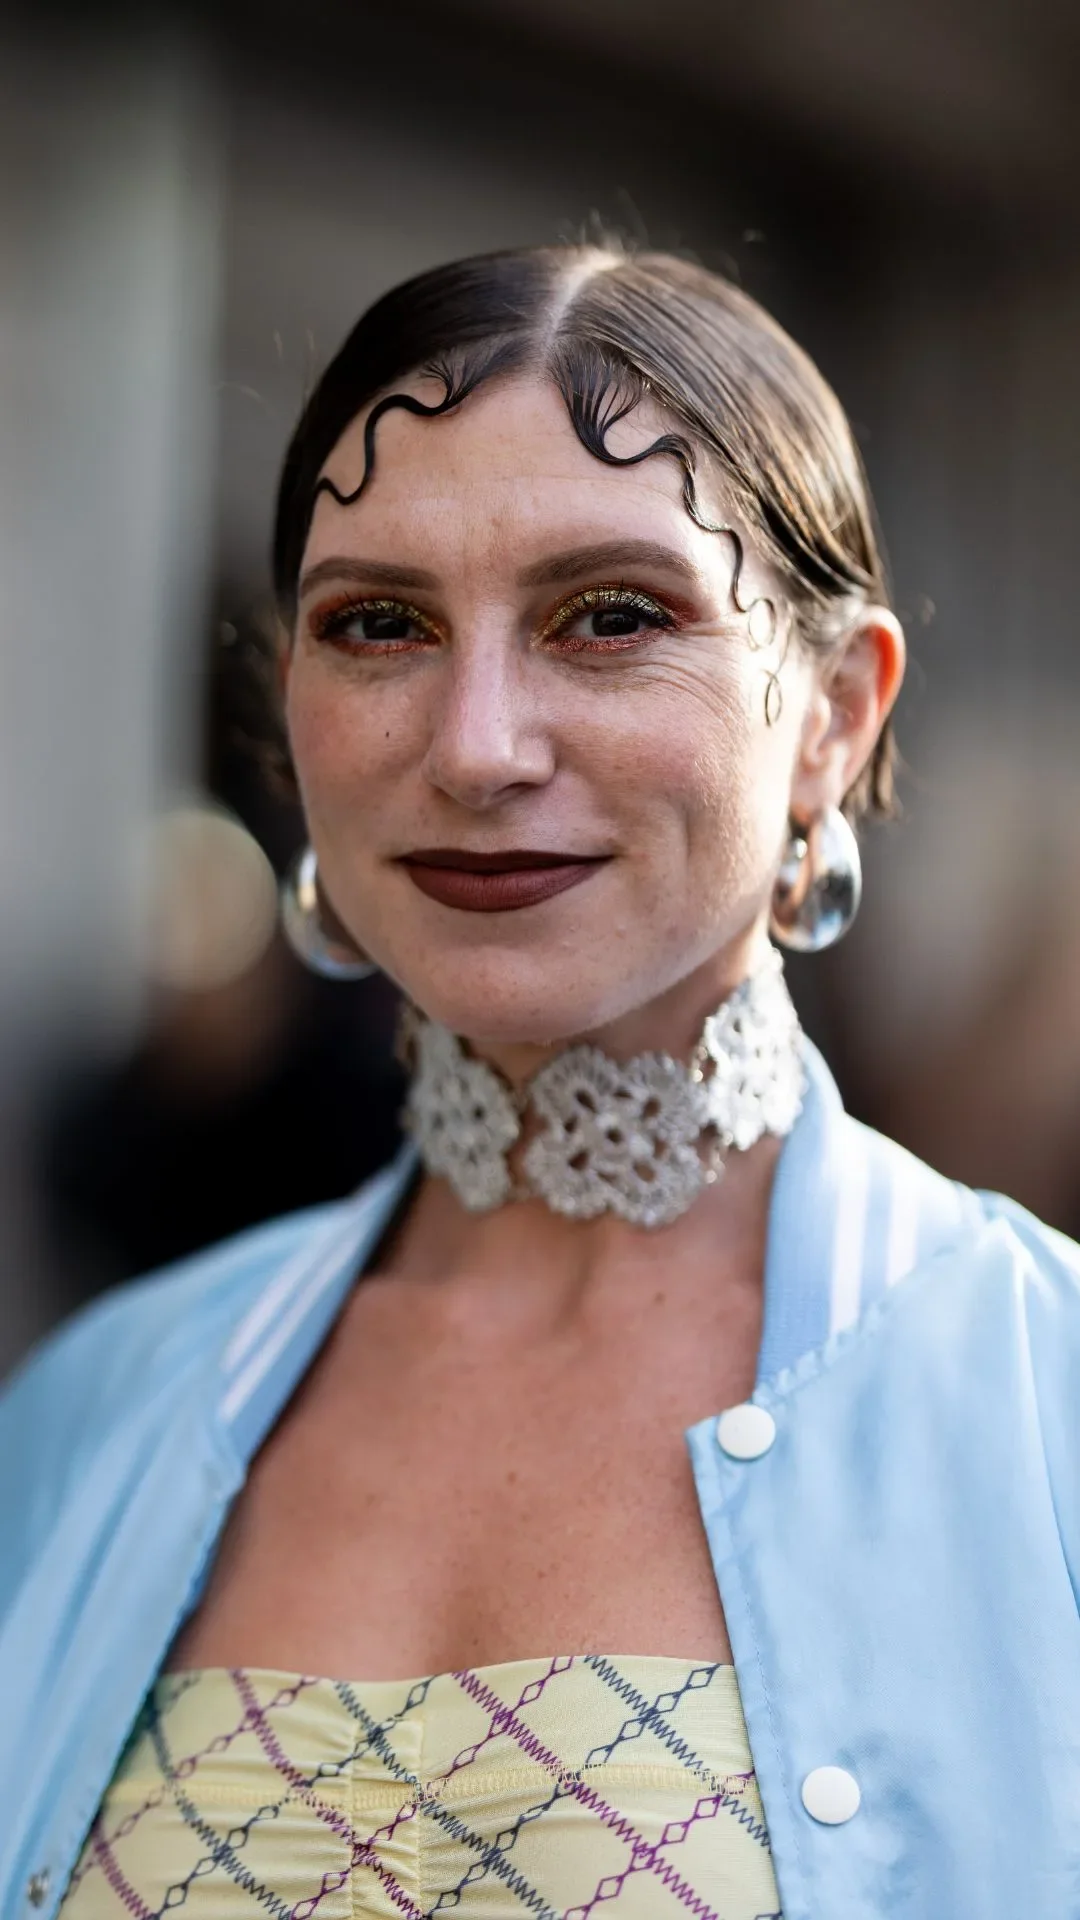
{"x":609,"y":326}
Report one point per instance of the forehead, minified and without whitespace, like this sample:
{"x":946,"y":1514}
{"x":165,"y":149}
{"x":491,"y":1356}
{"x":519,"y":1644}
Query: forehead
{"x":503,"y":477}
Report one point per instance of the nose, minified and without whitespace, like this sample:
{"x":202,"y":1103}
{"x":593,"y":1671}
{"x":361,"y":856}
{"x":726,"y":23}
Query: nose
{"x":488,"y":738}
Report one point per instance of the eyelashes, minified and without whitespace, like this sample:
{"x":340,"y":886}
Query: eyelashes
{"x":382,"y":621}
{"x":621,"y":618}
{"x":611,"y":605}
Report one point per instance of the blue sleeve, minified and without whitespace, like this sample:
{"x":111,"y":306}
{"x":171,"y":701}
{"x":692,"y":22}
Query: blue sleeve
{"x":47,"y":1418}
{"x":82,"y":1384}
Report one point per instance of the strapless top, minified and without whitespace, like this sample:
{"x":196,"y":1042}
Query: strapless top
{"x":555,"y":1788}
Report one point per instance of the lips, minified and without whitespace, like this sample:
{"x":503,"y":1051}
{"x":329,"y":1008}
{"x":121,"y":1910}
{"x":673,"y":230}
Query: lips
{"x":496,"y":882}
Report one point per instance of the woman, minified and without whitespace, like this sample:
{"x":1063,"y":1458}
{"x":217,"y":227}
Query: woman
{"x":705,"y":1463}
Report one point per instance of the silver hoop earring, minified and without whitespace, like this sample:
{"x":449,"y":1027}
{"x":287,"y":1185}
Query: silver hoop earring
{"x":335,"y":957}
{"x":819,"y":885}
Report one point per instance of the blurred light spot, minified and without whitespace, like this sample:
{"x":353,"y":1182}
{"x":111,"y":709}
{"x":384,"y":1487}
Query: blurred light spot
{"x":213,"y":899}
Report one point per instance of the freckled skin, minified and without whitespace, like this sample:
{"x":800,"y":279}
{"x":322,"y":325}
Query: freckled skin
{"x":661,"y":756}
{"x":486,"y":1461}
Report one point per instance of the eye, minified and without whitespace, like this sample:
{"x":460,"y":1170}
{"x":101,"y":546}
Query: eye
{"x":608,"y":614}
{"x":377,"y":625}
{"x":383,"y":626}
{"x":608,"y":621}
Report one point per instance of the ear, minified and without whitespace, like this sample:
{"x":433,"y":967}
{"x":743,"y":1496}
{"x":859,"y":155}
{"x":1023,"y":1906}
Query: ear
{"x":847,"y":709}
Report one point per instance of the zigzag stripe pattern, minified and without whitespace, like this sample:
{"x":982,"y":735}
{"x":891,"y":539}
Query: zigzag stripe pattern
{"x":554,"y":1788}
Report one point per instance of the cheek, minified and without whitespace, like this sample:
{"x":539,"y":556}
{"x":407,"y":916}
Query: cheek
{"x":341,"y":735}
{"x":703,"y":735}
{"x":725,"y":770}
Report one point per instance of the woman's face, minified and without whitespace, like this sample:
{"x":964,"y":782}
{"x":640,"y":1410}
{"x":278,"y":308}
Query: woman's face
{"x":507,"y":648}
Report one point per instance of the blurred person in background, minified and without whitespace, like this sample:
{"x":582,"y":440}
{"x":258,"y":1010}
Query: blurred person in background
{"x":653,"y":1487}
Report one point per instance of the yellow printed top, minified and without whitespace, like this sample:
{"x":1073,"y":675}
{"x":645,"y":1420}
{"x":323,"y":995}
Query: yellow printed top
{"x":556,"y":1788}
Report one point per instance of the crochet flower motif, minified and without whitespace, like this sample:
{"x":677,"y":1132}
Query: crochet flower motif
{"x":639,"y":1140}
{"x":462,"y":1116}
{"x":623,"y":1138}
{"x":751,"y":1046}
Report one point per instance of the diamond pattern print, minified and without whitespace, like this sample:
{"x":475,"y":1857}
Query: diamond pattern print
{"x":555,"y":1788}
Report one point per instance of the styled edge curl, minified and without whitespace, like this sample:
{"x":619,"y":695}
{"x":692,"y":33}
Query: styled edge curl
{"x":610,"y":328}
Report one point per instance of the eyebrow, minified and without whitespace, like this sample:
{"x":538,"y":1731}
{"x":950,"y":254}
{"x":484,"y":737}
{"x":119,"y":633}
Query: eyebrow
{"x":559,"y":567}
{"x":608,"y":554}
{"x":373,"y":572}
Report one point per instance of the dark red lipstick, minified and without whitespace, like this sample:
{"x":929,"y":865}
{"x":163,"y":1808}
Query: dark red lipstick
{"x":496,"y":882}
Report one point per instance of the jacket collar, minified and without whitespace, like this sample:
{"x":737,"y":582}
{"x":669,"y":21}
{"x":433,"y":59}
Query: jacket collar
{"x":850,"y":1215}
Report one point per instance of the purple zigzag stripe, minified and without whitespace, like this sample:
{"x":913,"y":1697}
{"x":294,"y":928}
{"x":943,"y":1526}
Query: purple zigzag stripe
{"x":492,"y":1859}
{"x":377,"y":1739}
{"x":645,"y":1855}
{"x":218,"y":1850}
{"x":704,"y":1809}
{"x":221,"y":1854}
{"x":122,"y":1888}
{"x":427,"y":1803}
{"x":183,"y":1769}
{"x":362,"y":1851}
{"x":587,"y":1796}
{"x":377,"y":1733}
{"x":560,"y":1664}
{"x":651,"y":1717}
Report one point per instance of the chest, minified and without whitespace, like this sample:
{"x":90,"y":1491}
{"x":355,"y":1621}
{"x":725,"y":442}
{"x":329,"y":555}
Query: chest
{"x":438,"y":1494}
{"x":901,"y":1608}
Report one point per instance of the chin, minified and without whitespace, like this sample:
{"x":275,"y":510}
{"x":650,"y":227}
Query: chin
{"x":504,"y":1000}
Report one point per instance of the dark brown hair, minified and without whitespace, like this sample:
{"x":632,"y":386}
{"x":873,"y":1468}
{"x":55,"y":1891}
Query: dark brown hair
{"x":610,"y":327}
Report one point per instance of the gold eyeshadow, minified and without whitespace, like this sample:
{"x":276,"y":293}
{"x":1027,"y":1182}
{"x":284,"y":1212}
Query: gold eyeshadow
{"x":601,"y":598}
{"x":330,"y":622}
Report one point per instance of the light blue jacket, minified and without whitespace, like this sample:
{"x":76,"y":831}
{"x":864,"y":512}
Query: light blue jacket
{"x":898,"y":1568}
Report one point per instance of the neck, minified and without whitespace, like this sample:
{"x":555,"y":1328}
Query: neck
{"x":525,"y":1270}
{"x":671,"y":1023}
{"x":545,"y":1190}
{"x":587,"y":1134}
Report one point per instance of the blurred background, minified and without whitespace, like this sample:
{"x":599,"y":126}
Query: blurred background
{"x":194,"y":207}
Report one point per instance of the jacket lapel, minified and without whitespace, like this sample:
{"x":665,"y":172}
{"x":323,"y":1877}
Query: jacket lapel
{"x":277,"y":1339}
{"x":824,"y":1545}
{"x":851,"y":1214}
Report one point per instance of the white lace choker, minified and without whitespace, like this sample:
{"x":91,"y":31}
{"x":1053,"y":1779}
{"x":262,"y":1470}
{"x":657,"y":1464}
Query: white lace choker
{"x":639,"y":1140}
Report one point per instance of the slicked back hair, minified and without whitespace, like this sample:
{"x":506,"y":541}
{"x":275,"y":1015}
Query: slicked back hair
{"x":611,"y":328}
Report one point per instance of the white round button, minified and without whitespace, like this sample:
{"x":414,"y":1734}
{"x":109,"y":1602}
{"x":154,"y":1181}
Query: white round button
{"x":746,"y":1432}
{"x":831,"y":1795}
